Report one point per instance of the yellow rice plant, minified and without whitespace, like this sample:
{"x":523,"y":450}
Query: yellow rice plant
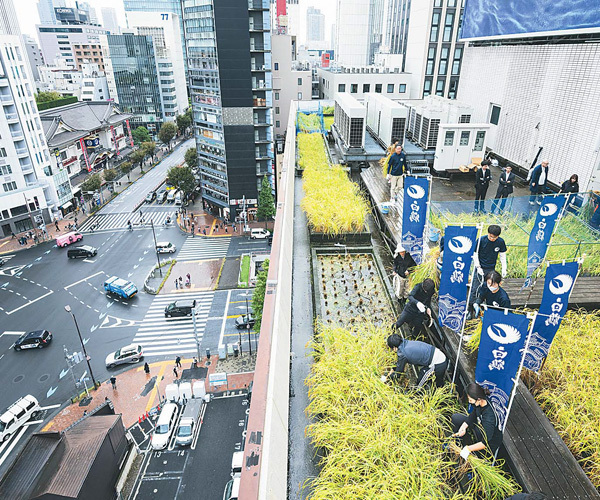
{"x":427,"y":269}
{"x":378,"y":441}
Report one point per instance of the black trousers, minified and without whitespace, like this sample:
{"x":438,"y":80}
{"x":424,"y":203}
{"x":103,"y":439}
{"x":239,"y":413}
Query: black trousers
{"x":439,"y":370}
{"x":473,"y":435}
{"x":414,"y":320}
{"x":480,"y":192}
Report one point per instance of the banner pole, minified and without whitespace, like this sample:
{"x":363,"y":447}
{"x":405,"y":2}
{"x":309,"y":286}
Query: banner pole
{"x":464,"y":321}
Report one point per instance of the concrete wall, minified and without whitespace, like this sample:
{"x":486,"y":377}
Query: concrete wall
{"x":264,"y":475}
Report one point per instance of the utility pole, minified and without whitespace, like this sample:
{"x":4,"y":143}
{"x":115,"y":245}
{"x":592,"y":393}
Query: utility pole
{"x":87,"y":358}
{"x":155,"y":248}
{"x":248,"y":327}
{"x":196,"y":333}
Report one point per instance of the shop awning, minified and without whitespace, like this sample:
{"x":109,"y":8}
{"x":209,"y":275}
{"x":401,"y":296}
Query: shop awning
{"x":68,"y":204}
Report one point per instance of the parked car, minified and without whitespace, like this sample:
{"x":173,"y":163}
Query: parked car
{"x":178,"y":197}
{"x":171,"y":195}
{"x":188,"y":422}
{"x":16,"y":415}
{"x":161,"y":197}
{"x":259,"y":234}
{"x":121,"y":287}
{"x":82,"y":251}
{"x":165,"y":247}
{"x":33,"y":340}
{"x":165,"y":425}
{"x":232,"y":488}
{"x":244,"y":321}
{"x":132,"y":353}
{"x":180,"y":308}
{"x":151,"y":196}
{"x":69,"y":238}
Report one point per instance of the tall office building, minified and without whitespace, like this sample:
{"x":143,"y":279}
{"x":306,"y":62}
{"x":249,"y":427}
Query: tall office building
{"x":165,"y":33}
{"x":164,"y":7}
{"x":110,"y":21}
{"x":9,"y":24}
{"x":46,"y":10}
{"x":315,"y":25}
{"x":34,"y":55}
{"x":30,"y":190}
{"x":91,"y":12}
{"x":229,"y":65}
{"x":133,"y":80}
{"x":359,"y":26}
{"x":395,"y":26}
{"x":58,"y":40}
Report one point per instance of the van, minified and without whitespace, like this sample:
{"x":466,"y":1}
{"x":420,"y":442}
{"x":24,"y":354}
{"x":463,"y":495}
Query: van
{"x":82,"y":251}
{"x":236,"y":462}
{"x":259,"y":234}
{"x":165,"y":247}
{"x":178,"y":198}
{"x":164,"y":426}
{"x":16,"y":415}
{"x":66,"y":239}
{"x":171,"y":195}
{"x":180,"y":308}
{"x":188,"y":422}
{"x":232,"y":488}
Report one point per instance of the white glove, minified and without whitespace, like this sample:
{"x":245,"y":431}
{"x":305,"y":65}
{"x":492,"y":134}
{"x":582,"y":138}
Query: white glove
{"x":383,"y":378}
{"x":389,"y":177}
{"x":476,"y":310}
{"x":503,"y":263}
{"x":480,"y":271}
{"x":465,"y":452}
{"x":421,"y":307}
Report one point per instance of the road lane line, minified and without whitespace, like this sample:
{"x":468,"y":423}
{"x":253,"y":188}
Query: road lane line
{"x":17,"y":439}
{"x":84,"y":279}
{"x":29,"y":303}
{"x":221,"y":345}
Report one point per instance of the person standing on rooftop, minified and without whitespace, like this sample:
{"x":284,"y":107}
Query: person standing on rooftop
{"x":537,"y":182}
{"x":395,"y":170}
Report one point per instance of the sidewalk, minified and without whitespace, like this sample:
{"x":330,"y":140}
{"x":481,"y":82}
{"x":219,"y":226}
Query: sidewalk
{"x":136,"y":392}
{"x":204,"y":276}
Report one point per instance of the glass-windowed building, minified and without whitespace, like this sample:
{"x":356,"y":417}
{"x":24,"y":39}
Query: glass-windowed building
{"x":229,"y":68}
{"x":133,"y":80}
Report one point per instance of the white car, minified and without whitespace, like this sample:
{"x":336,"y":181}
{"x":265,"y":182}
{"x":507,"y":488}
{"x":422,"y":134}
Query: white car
{"x":16,"y":415}
{"x":259,"y":234}
{"x":132,"y":353}
{"x":165,"y":247}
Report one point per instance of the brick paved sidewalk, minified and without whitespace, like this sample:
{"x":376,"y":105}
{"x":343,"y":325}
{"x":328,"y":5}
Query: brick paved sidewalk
{"x":208,"y":225}
{"x":204,"y":276}
{"x":137,"y":393}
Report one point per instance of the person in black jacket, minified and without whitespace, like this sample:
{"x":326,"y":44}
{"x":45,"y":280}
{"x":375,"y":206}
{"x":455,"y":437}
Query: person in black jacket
{"x":570,"y":187}
{"x":395,"y":170}
{"x":483,"y":177}
{"x":485,"y":436}
{"x":491,"y":293}
{"x":505,"y":188}
{"x":429,"y":358}
{"x":418,"y":306}
{"x":403,"y":263}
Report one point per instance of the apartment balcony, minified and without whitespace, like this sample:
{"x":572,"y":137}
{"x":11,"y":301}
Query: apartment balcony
{"x":27,"y":168}
{"x":3,"y":81}
{"x":261,"y":85}
{"x":258,"y":4}
{"x":258,"y":47}
{"x":259,"y":67}
{"x":262,"y":140}
{"x":254,"y":27}
{"x":6,"y":99}
{"x":22,"y":151}
{"x":17,"y":134}
{"x":260,"y":103}
{"x":11,"y":117}
{"x":261,"y":123}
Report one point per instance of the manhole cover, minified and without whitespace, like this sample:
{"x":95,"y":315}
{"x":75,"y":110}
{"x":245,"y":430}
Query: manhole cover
{"x":18,"y":378}
{"x":43,"y":378}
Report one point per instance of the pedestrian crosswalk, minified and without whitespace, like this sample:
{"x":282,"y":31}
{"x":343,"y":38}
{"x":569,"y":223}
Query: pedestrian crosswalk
{"x":119,"y":220}
{"x":160,"y":336}
{"x":201,"y":248}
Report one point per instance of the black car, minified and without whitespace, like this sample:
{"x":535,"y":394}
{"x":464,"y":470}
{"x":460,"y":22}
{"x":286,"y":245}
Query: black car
{"x":244,"y":321}
{"x":180,"y":308}
{"x":82,"y":251}
{"x":151,"y":196}
{"x":33,"y":340}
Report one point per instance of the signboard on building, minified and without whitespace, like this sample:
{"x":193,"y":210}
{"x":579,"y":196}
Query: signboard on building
{"x":251,"y":201}
{"x":92,"y":142}
{"x":85,"y":155}
{"x":114,"y":138}
{"x":129,"y":132}
{"x":216,"y":379}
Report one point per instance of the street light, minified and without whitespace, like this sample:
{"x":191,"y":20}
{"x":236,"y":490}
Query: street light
{"x":87,"y":358}
{"x":156,"y":248}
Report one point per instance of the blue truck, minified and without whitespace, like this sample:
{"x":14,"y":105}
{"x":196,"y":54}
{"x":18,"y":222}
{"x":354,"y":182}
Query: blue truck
{"x":121,"y":287}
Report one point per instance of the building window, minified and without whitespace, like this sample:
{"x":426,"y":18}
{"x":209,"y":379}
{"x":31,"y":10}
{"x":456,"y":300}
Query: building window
{"x":378,"y":87}
{"x":443,"y":68}
{"x":390,"y":88}
{"x":451,"y":3}
{"x":342,"y":87}
{"x":276,"y":110}
{"x":366,"y":87}
{"x":456,"y":61}
{"x":277,"y":123}
{"x":430,"y":61}
{"x":2,"y":153}
{"x":465,"y":135}
{"x":495,"y":114}
{"x":435,"y":25}
{"x":464,"y":119}
{"x":402,"y":88}
{"x":439,"y":86}
{"x":9,"y":186}
{"x":479,"y":140}
{"x":276,"y":66}
{"x":299,"y":96}
{"x":427,"y":86}
{"x":5,"y":169}
{"x":277,"y":96}
{"x":449,"y":139}
{"x":354,"y":88}
{"x":299,"y":81}
{"x":448,"y":27}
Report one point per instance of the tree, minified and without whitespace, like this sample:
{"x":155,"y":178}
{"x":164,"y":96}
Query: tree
{"x":138,"y":156}
{"x":166,"y":133}
{"x":149,"y":148}
{"x":141,"y":135}
{"x":266,"y":203}
{"x":182,"y":178}
{"x":47,"y":96}
{"x":258,"y":297}
{"x":126,"y":168}
{"x":183,"y":122}
{"x":191,"y":157}
{"x":92,"y":183}
{"x":110,"y":175}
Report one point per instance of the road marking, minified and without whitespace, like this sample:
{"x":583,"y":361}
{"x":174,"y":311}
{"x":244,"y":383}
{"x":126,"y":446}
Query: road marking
{"x":90,"y":261}
{"x":221,"y":345}
{"x":10,"y":448}
{"x":8,"y":332}
{"x":30,"y":302}
{"x":84,"y":279}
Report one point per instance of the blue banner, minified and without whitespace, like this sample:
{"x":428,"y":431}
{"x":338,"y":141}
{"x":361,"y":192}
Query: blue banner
{"x":414,"y":214}
{"x":546,"y":219}
{"x":459,"y":245}
{"x":503,"y":337}
{"x":560,"y":279}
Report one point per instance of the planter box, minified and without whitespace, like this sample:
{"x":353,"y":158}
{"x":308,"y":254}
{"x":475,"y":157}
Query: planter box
{"x":361,"y":239}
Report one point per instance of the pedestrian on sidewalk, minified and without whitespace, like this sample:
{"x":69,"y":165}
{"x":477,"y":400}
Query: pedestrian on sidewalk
{"x":226,"y":229}
{"x":180,"y":282}
{"x":204,"y":231}
{"x":55,"y":225}
{"x":147,"y":368}
{"x":113,"y":382}
{"x":195,"y":362}
{"x":176,"y":284}
{"x":189,"y":278}
{"x":12,"y":235}
{"x":217,"y":228}
{"x":178,"y":361}
{"x":175,"y":372}
{"x":193,"y":228}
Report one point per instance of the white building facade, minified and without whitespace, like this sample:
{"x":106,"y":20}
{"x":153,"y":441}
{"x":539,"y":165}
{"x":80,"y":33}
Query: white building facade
{"x":166,"y":35}
{"x":109,"y":20}
{"x":315,"y":25}
{"x":56,"y":41}
{"x":34,"y":55}
{"x":9,"y":24}
{"x":30,"y":188}
{"x":544,"y":99}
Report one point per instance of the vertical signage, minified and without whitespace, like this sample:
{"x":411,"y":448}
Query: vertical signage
{"x":85,"y":155}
